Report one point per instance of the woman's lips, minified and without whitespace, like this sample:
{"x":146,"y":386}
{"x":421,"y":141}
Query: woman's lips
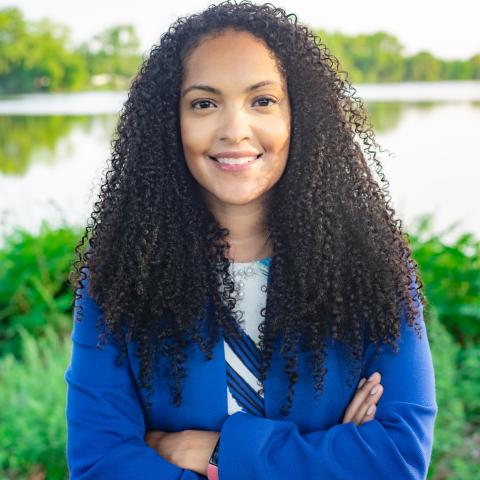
{"x":234,"y":167}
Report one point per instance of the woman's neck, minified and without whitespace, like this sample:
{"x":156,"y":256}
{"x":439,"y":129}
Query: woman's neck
{"x":248,"y":233}
{"x":249,"y":250}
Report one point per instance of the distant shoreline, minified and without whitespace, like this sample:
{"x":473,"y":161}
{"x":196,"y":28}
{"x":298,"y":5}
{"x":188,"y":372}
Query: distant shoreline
{"x":110,"y":102}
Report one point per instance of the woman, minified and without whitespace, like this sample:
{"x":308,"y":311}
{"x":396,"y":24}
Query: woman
{"x":245,"y":271}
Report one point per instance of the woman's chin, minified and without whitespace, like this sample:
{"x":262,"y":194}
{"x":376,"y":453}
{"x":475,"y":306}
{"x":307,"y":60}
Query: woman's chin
{"x":238,"y":198}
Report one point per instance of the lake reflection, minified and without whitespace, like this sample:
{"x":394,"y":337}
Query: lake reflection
{"x":26,"y":139}
{"x":51,"y":165}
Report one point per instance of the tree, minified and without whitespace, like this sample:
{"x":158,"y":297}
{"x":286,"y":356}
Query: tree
{"x":475,"y":61}
{"x":367,"y":57}
{"x":115,"y":51}
{"x":35,"y":56}
{"x":424,"y":67}
{"x":457,"y":70}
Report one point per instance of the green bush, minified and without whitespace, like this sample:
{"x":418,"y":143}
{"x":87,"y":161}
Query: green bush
{"x":469,"y":384}
{"x":451,"y":274}
{"x":453,"y":456}
{"x":34,"y":288}
{"x":450,"y":418}
{"x":36,"y":320}
{"x":32,"y":407}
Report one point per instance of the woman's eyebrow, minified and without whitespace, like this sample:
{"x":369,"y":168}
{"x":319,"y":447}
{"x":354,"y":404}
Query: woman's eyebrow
{"x":208,"y":88}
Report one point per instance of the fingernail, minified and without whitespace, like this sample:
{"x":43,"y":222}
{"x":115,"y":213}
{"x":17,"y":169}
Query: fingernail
{"x":374,"y":390}
{"x":370,"y":410}
{"x":362,"y":381}
{"x":372,"y":376}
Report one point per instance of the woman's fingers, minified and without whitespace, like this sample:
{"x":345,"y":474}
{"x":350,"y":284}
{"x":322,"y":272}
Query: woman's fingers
{"x":152,"y":437}
{"x":369,"y":416}
{"x":362,"y":399}
{"x":361,"y":393}
{"x":371,"y":401}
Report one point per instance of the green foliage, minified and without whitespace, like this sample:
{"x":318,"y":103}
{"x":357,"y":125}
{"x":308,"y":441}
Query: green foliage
{"x":34,"y":288}
{"x":35,"y":311}
{"x":114,"y":50}
{"x":32,"y":408}
{"x":475,"y":63}
{"x":448,"y":459}
{"x":35,"y":56}
{"x":469,"y":382}
{"x":367,"y":58}
{"x":378,"y":57}
{"x":459,"y":70}
{"x":451,"y":274}
{"x":39,"y":56}
{"x":423,"y":66}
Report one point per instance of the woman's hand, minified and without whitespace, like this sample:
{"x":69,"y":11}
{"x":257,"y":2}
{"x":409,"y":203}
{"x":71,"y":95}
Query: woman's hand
{"x":191,"y":449}
{"x":363,"y":405}
{"x":188,"y":449}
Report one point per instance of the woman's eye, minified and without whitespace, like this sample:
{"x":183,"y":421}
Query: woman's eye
{"x":200,"y":102}
{"x":204,"y":104}
{"x":265,"y":99}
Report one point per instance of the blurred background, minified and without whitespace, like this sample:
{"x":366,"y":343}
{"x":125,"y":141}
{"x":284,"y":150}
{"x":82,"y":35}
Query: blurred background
{"x":65,"y":69}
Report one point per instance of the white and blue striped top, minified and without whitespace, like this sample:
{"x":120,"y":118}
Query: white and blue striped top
{"x":243,"y":357}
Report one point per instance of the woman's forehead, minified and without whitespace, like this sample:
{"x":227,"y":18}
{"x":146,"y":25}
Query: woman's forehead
{"x":232,"y":54}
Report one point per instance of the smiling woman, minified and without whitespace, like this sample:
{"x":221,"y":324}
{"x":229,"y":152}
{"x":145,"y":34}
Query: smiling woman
{"x":241,"y":254}
{"x":234,"y":95}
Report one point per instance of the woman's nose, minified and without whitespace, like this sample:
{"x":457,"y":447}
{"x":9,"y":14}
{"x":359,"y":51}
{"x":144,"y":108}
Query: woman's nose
{"x":234,"y":125}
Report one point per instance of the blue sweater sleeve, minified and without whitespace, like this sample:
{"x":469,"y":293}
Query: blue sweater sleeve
{"x":396,"y":444}
{"x":105,"y":422}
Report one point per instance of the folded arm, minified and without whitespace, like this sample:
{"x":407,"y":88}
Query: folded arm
{"x":105,"y":421}
{"x":396,"y":444}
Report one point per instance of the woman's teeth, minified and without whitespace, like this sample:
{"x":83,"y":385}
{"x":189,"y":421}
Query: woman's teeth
{"x":236,"y":161}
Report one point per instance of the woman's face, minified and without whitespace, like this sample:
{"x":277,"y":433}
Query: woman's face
{"x":234,"y":118}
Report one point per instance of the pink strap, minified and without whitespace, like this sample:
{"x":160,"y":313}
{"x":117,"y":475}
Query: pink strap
{"x":212,"y":472}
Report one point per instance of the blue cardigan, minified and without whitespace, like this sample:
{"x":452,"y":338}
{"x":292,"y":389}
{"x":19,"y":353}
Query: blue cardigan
{"x":107,"y":421}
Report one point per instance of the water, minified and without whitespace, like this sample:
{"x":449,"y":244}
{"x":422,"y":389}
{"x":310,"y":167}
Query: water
{"x":54,"y":148}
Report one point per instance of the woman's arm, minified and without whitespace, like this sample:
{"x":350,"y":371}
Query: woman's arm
{"x":105,"y":422}
{"x":396,"y":444}
{"x":191,"y":449}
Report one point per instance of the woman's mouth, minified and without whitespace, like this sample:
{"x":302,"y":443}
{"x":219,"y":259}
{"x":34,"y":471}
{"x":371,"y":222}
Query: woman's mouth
{"x":234,"y":164}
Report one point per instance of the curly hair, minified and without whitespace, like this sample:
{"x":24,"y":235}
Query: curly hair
{"x":341,"y":265}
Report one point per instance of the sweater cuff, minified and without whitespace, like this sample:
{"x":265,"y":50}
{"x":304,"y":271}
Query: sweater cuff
{"x":243,"y":437}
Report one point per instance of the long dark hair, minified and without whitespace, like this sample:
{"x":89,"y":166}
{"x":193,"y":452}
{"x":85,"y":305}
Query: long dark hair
{"x":341,"y":265}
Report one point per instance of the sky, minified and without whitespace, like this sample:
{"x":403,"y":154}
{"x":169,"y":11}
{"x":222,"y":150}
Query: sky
{"x":446,"y":29}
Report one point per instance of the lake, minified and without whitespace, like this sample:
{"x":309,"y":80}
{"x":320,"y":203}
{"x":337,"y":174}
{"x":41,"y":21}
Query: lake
{"x":54,"y":149}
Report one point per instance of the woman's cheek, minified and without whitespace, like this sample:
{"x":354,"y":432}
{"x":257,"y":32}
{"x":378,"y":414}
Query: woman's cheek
{"x":201,"y":135}
{"x":275,"y":134}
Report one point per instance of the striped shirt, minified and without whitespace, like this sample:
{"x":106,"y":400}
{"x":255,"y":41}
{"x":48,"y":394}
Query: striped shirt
{"x":243,"y":357}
